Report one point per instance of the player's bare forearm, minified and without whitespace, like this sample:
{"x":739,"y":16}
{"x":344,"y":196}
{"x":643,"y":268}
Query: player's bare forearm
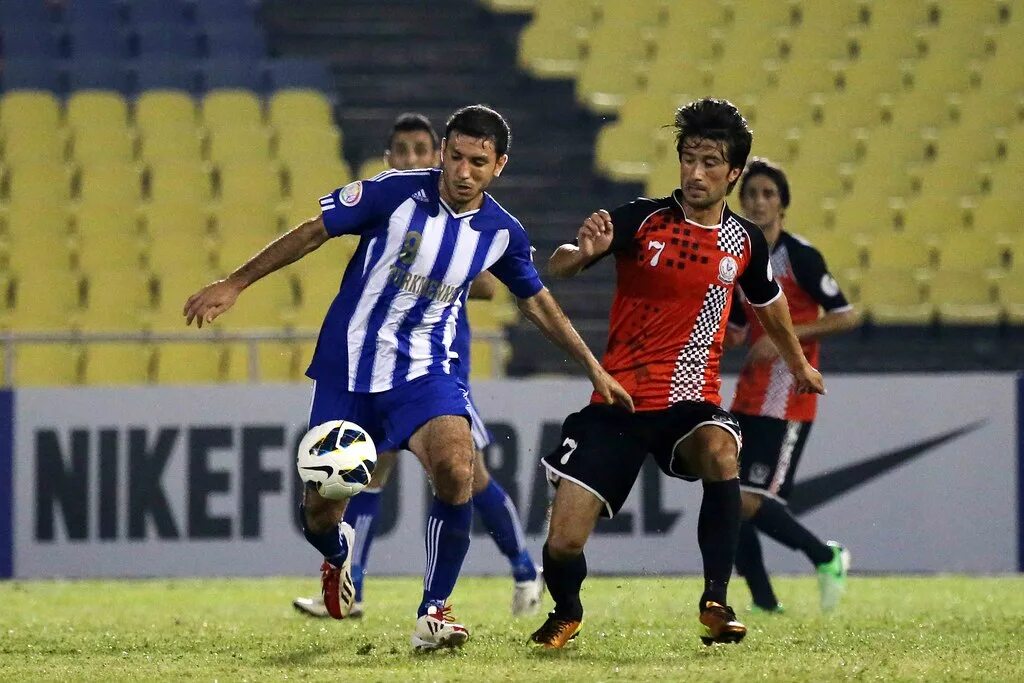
{"x":286,"y":249}
{"x":544,"y":312}
{"x":828,"y":324}
{"x":211,"y":301}
{"x":567,"y":261}
{"x":778,"y":325}
{"x":483,"y":286}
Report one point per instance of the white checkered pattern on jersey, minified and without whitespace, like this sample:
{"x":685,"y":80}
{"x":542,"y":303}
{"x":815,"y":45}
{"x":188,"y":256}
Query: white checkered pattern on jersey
{"x":780,"y":262}
{"x":731,"y":237}
{"x":688,"y":375}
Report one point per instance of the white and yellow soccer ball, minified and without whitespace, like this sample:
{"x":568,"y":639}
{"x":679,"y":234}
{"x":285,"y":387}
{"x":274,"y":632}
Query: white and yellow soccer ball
{"x":338,"y":458}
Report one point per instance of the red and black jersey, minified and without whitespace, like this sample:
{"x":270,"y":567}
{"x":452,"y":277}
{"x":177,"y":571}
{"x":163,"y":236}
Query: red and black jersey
{"x":674,"y":285}
{"x":767,"y":388}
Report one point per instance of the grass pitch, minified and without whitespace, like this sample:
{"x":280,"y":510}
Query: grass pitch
{"x":890,"y":628}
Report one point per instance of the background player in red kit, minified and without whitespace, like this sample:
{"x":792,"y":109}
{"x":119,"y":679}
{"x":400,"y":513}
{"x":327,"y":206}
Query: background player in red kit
{"x":677,"y":262}
{"x":775,"y":419}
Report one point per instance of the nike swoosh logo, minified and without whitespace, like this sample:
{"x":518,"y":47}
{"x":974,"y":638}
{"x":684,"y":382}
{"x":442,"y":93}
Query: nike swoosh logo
{"x":322,"y":468}
{"x":814,"y":492}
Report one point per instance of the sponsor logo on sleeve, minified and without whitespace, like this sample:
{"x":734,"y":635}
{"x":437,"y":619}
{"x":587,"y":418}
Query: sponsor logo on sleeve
{"x":829,"y":286}
{"x":351,"y":193}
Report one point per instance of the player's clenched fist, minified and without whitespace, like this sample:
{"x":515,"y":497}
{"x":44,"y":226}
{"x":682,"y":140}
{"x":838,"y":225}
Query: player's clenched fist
{"x":595,"y":235}
{"x":210,"y":301}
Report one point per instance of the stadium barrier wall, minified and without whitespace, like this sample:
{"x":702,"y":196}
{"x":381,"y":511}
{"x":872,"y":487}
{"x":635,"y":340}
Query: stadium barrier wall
{"x":913,"y":472}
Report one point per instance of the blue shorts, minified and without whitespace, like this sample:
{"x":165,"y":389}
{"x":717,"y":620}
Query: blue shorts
{"x":391,"y":417}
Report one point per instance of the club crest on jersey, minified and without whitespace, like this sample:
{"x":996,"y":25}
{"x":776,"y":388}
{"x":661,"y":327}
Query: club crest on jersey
{"x":727,"y":268}
{"x":829,"y":286}
{"x":351,"y":193}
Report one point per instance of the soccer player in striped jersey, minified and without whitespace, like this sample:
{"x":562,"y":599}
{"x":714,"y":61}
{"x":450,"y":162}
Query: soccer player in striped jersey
{"x":384,"y":356}
{"x":677,"y":261}
{"x":775,"y":419}
{"x":413,"y":143}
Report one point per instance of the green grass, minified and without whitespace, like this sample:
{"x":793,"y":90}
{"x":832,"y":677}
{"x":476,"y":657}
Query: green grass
{"x":891,"y":628}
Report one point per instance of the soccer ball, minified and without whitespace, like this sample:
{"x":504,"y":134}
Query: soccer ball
{"x":338,"y":458}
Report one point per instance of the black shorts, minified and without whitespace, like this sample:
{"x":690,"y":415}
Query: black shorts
{"x":602,"y":447}
{"x":771,"y":452}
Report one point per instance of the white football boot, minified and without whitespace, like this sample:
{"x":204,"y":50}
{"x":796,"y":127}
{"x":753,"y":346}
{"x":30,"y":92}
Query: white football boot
{"x":437,"y":629}
{"x":312,"y":607}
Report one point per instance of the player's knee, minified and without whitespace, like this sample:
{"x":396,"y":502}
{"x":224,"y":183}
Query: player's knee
{"x":750,"y":503}
{"x":564,"y":544}
{"x":719,"y":457}
{"x":453,"y":478}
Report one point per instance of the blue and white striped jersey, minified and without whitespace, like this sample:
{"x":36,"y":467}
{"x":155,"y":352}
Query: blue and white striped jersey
{"x":395,"y":316}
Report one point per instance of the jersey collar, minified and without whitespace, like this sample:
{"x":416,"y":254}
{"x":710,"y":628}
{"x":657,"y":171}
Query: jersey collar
{"x":677,"y":197}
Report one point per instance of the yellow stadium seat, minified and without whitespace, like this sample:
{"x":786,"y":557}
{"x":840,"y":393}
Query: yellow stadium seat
{"x":157,"y":110}
{"x":118,"y":363}
{"x":110,"y":184}
{"x":24,"y":110}
{"x":298,"y":145}
{"x":319,"y":277}
{"x":178,"y":183}
{"x":308,"y":182}
{"x":998,"y":214}
{"x":894,"y":296}
{"x":1002,"y":71}
{"x":488,"y":358}
{"x":841,"y":252}
{"x":230,"y":108}
{"x":44,"y":300}
{"x":300,"y":107}
{"x":1011,"y":296}
{"x":257,"y":186}
{"x":179,"y":237}
{"x":115,"y":301}
{"x":1015,"y":249}
{"x":86,"y":108}
{"x":5,"y":381}
{"x":627,"y":149}
{"x":48,"y":364}
{"x":30,"y":146}
{"x":107,"y":239}
{"x":964,"y":297}
{"x":37,"y":237}
{"x":969,"y":253}
{"x":179,"y":144}
{"x":618,"y":54}
{"x":281,"y":361}
{"x":102,"y":145}
{"x":372,"y":167}
{"x":894,"y":251}
{"x":243,"y":231}
{"x":200,"y":362}
{"x":934,"y":213}
{"x":551,"y":45}
{"x":240,"y":144}
{"x":38,"y":184}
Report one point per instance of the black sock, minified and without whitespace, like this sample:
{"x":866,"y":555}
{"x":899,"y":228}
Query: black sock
{"x":750,"y":564}
{"x":718,"y":528}
{"x":564,"y":579}
{"x":775,"y":519}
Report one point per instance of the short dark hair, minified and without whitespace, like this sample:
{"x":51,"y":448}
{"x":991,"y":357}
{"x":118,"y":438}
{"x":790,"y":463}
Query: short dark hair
{"x":772,"y":171}
{"x":480,"y":121}
{"x":716,"y":120}
{"x":410,"y":121}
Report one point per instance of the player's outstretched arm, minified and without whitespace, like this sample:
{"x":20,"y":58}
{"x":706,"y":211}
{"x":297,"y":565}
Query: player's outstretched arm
{"x":593,"y":240}
{"x":217,"y":297}
{"x":544,"y":312}
{"x":778,"y":325}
